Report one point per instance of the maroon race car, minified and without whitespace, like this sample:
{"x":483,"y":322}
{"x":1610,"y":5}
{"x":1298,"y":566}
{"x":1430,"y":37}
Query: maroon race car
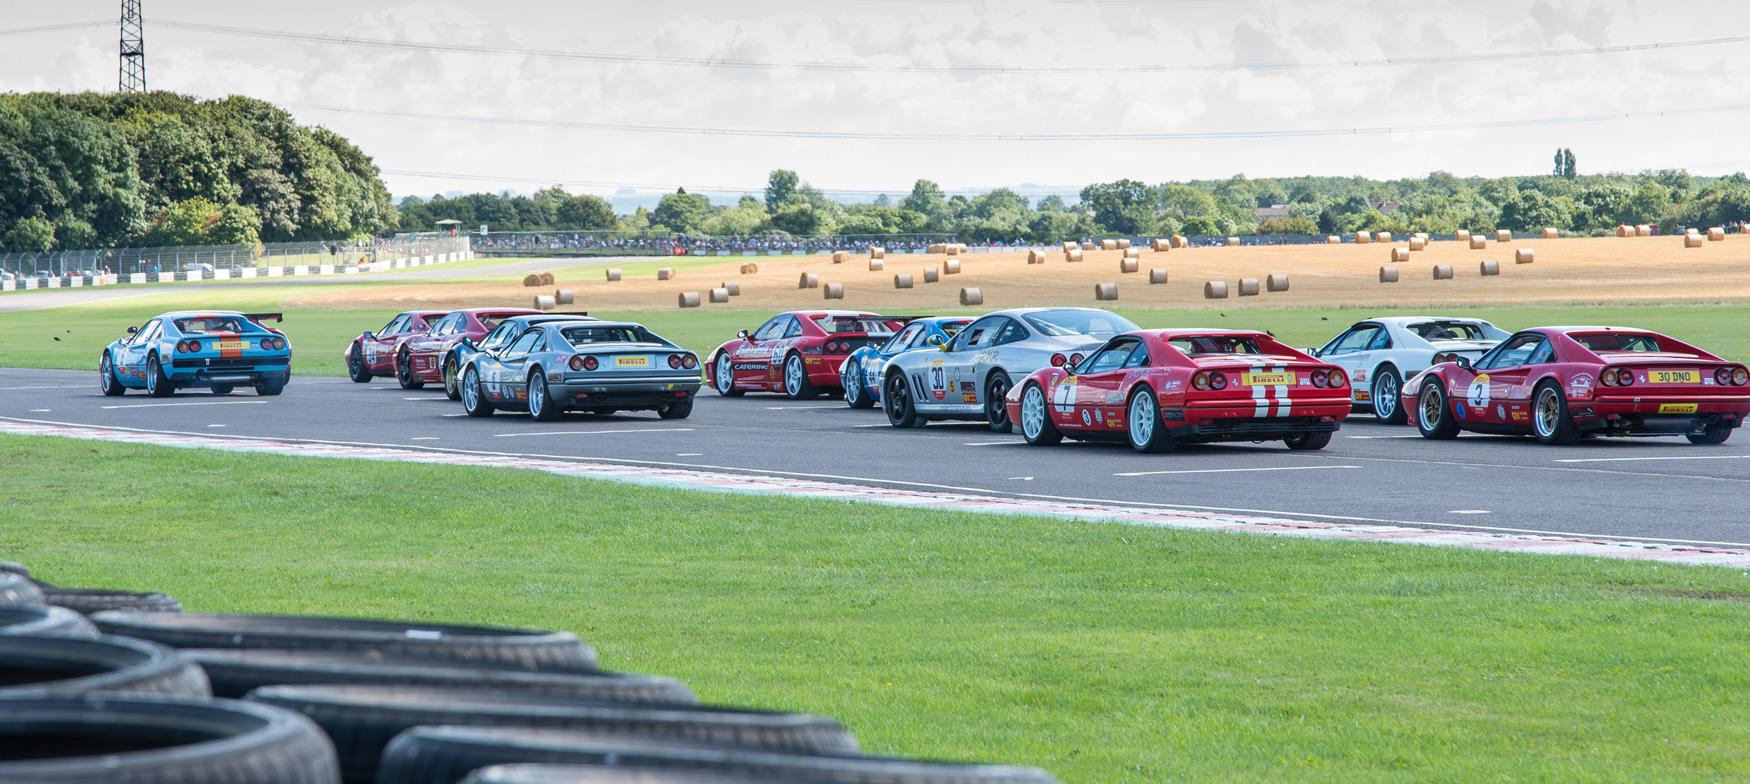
{"x":797,"y":353}
{"x":372,"y":354}
{"x":1156,"y":389}
{"x":417,"y":361}
{"x":1561,"y":384}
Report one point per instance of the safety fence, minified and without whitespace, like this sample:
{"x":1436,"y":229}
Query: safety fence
{"x":231,"y":258}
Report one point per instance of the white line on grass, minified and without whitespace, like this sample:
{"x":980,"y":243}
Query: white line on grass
{"x":203,"y":403}
{"x":1231,"y":470}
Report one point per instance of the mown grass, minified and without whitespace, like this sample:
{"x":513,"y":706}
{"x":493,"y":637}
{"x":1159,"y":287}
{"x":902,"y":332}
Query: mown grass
{"x":1103,"y":653}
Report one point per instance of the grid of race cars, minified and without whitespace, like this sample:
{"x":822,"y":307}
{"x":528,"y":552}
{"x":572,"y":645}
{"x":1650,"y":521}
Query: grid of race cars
{"x":1049,"y":372}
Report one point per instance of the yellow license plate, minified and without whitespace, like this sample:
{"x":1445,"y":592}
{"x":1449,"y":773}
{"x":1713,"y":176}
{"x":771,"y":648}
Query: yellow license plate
{"x":1267,"y":379}
{"x":632,"y":362}
{"x":1674,"y":377}
{"x":1678,"y":408}
{"x":230,"y":345}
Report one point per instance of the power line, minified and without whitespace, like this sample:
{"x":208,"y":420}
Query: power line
{"x":736,"y":63}
{"x":1278,"y":133}
{"x":668,"y":187}
{"x":49,"y":28}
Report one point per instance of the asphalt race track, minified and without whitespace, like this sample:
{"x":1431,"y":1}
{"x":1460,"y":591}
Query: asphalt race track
{"x":1659,"y":489}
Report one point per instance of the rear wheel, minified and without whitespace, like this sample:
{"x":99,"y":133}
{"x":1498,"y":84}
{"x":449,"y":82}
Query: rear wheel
{"x":452,"y":389}
{"x":473,"y":397}
{"x":678,"y":409}
{"x":724,"y":378}
{"x":1387,"y":384}
{"x":157,"y":384}
{"x":896,"y":401}
{"x":796,"y":383}
{"x":355,"y":366}
{"x":270,"y":387}
{"x":1036,"y":424}
{"x":996,"y":409}
{"x":1307,"y":442}
{"x":1142,"y":423}
{"x":852,"y":380}
{"x":106,"y":377}
{"x":1433,"y":416}
{"x":541,"y":405}
{"x":1549,"y":416}
{"x":404,"y":371}
{"x":1716,"y":433}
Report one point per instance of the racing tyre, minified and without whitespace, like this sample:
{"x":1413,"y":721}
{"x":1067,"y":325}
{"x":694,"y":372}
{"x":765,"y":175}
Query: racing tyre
{"x":724,"y":378}
{"x":95,"y":600}
{"x":855,"y":395}
{"x":896,"y":401}
{"x":1716,"y":433}
{"x":541,"y":406}
{"x":45,"y":622}
{"x":678,"y":409}
{"x":17,"y":590}
{"x":581,"y":757}
{"x":157,"y":384}
{"x":106,"y":378}
{"x":1142,"y":424}
{"x":362,"y":720}
{"x":404,"y":371}
{"x":1387,"y":385}
{"x":996,"y":410}
{"x":222,"y":389}
{"x":355,"y":366}
{"x":1433,"y":415}
{"x":1307,"y":442}
{"x":70,"y":666}
{"x":13,"y":567}
{"x":1036,"y":424}
{"x":234,"y":673}
{"x":1550,"y":421}
{"x":270,"y":387}
{"x":452,"y":387}
{"x":796,"y":383}
{"x":473,"y":397}
{"x":158,"y":740}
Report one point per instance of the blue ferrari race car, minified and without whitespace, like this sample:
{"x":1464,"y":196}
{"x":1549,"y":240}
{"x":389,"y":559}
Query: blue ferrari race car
{"x":218,"y":349}
{"x":861,"y":371}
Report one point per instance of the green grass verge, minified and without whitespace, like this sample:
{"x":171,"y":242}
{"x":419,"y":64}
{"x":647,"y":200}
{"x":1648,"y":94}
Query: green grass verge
{"x":1103,"y":653}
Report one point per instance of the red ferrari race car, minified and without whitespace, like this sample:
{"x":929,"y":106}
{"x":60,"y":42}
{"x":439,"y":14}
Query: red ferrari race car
{"x":1156,"y":389}
{"x":797,"y":353}
{"x":417,"y":360}
{"x":372,"y":354}
{"x":1562,"y":384}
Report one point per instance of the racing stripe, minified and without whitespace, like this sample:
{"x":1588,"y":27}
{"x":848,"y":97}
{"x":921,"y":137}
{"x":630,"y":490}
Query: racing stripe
{"x":1283,"y":404}
{"x":1260,"y":396}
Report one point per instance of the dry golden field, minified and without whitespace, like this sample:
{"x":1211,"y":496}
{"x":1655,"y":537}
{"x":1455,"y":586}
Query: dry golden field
{"x":1647,"y":270}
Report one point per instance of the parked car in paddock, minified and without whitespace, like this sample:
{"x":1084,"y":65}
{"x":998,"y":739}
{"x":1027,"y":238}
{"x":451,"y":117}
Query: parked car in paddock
{"x":416,"y":361}
{"x":1156,"y":389}
{"x":968,"y":377}
{"x":1562,"y":384}
{"x":507,"y":331}
{"x":860,"y":374}
{"x":373,"y":353}
{"x":797,"y":353}
{"x":1379,"y":353}
{"x":585,"y":365}
{"x":217,"y":349}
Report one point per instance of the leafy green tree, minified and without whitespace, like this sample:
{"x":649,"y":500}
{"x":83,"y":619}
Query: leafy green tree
{"x":926,"y":199}
{"x":585,"y":213}
{"x":29,"y":235}
{"x":681,"y":211}
{"x":797,"y":219}
{"x":780,"y":188}
{"x":1124,"y":206}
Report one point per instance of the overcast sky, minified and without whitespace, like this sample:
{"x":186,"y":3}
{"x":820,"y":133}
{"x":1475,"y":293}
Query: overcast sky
{"x":891,"y":38}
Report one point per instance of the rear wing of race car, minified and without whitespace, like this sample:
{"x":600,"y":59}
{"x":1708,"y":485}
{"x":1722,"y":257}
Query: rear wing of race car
{"x":277,"y":318}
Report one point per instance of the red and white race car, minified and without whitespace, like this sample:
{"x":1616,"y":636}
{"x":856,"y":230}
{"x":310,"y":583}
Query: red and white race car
{"x":1156,"y":389}
{"x":797,"y":353}
{"x":373,"y":353}
{"x":1564,"y":383}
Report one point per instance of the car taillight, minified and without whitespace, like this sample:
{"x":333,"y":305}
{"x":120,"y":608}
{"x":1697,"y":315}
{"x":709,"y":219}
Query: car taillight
{"x":1624,"y":377}
{"x":1058,"y":360}
{"x":576,"y":362}
{"x":188,"y":346}
{"x":1338,"y":379}
{"x":674,"y":361}
{"x":1740,"y":377}
{"x":1320,"y":378}
{"x":273,"y":344}
{"x":689,"y":361}
{"x":1217,"y":380}
{"x":1200,"y":380}
{"x":1076,"y":358}
{"x":591,"y":363}
{"x":1723,"y":376}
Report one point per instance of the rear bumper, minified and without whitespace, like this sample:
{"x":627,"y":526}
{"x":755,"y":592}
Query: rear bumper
{"x":823,"y":369}
{"x":643,"y":393}
{"x":198,"y":372}
{"x":1622,"y":415}
{"x":1227,"y":421}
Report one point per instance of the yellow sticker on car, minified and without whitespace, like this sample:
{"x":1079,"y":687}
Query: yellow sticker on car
{"x":1267,"y":379}
{"x":1674,"y":377}
{"x":631,"y":362}
{"x":230,"y":345}
{"x":1678,"y":408}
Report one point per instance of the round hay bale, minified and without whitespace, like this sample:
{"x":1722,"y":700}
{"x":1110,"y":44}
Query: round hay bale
{"x":1276,"y":281}
{"x":1644,"y":230}
{"x":1157,"y":276}
{"x":1232,"y":241}
{"x":951,"y":267}
{"x":834,"y":290}
{"x":1035,"y":257}
{"x":1123,"y":244}
{"x":931,"y":274}
{"x":971,"y":296}
{"x":808,"y":280}
{"x":1069,"y":246}
{"x":1692,"y":240}
{"x":1133,"y":253}
{"x":1478,"y":242}
{"x":732,"y":287}
{"x":1417,"y":243}
{"x":547,"y":279}
{"x":1126,"y":266}
{"x":1625,"y":230}
{"x":1090,"y":245}
{"x":902,"y":280}
{"x":1503,"y":235}
{"x":666,"y":273}
{"x":1382,"y":237}
{"x":614,"y":274}
{"x":1072,"y":256}
{"x":1362,"y":238}
{"x":1421,"y":235}
{"x":750,"y":269}
{"x":564,"y":296}
{"x":1108,"y":244}
{"x":934,"y":247}
{"x":1388,"y":274}
{"x":954,"y":249}
{"x":689,"y":299}
{"x":1333,"y":239}
{"x":1443,"y":272}
{"x":1160,"y":245}
{"x":876,"y":265}
{"x":719,"y":294}
{"x":532,"y":280}
{"x":1400,"y":254}
{"x":1462,"y":235}
{"x":1215,"y":289}
{"x":1105,"y":292}
{"x":1522,"y":256}
{"x":1488,"y":268}
{"x":1248,"y":287}
{"x":1179,"y":241}
{"x":543,"y":302}
{"x":1551,"y":232}
{"x":1716,"y":234}
{"x":877,"y":252}
{"x":840,"y":257}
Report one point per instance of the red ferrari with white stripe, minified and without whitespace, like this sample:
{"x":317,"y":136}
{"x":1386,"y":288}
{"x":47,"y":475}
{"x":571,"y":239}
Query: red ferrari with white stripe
{"x":1155,"y":389}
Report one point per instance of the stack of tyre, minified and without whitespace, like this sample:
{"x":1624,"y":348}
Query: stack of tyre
{"x":113,"y":686}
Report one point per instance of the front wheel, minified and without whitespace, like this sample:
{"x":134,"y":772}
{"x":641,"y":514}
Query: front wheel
{"x":996,"y":409}
{"x":851,"y":379}
{"x":1307,"y":442}
{"x":1143,"y":426}
{"x":541,"y":405}
{"x":678,"y":409}
{"x":157,"y":384}
{"x":896,"y":401}
{"x":222,"y":389}
{"x":452,"y":389}
{"x":106,"y":378}
{"x":1386,"y":405}
{"x":1550,"y":419}
{"x":724,"y":379}
{"x":474,"y":401}
{"x":1036,"y":424}
{"x":355,"y":366}
{"x":1716,"y":433}
{"x":796,"y":383}
{"x":404,"y":372}
{"x":1433,"y":416}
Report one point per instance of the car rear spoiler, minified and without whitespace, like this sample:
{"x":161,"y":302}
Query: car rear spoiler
{"x":279,"y":318}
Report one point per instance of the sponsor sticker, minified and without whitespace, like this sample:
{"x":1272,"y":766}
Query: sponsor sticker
{"x":1363,"y":395}
{"x":1460,"y":410}
{"x":230,"y":345}
{"x":1521,"y":416}
{"x":1679,"y":408}
{"x":1087,"y":418}
{"x":1580,"y":385}
{"x":1266,"y":379}
{"x":1360,"y":375}
{"x":969,"y":397}
{"x":1478,"y":394}
{"x":1500,"y":412}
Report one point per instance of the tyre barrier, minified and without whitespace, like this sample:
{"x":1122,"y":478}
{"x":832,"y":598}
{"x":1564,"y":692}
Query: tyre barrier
{"x":1488,"y":268}
{"x":17,"y":590}
{"x":614,"y":274}
{"x":719,"y":295}
{"x":1248,"y":287}
{"x":971,"y":296}
{"x":1276,"y":282}
{"x":564,"y":296}
{"x":1128,"y":265}
{"x":1157,"y":276}
{"x":902,"y":280}
{"x":96,"y":600}
{"x":876,"y":265}
{"x":1388,"y":274}
{"x":833,"y":290}
{"x":808,"y":280}
{"x":1478,"y":242}
{"x":1105,"y":292}
{"x":1215,"y":289}
{"x":931,"y":274}
{"x":236,"y":672}
{"x":1443,"y":272}
{"x":1522,"y":256}
{"x":45,"y":622}
{"x":42,"y":667}
{"x":666,"y":273}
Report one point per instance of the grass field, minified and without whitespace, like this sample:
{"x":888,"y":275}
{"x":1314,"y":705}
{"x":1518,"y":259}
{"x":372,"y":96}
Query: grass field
{"x":1103,"y":653}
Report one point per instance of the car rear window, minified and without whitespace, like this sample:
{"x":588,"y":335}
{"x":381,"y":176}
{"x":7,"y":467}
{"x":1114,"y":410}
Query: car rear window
{"x":206,"y":325}
{"x":1206,"y":345}
{"x":1448,"y":330}
{"x":580,"y":336}
{"x":1069,"y":323}
{"x":835,"y":325}
{"x":1622,"y":342}
{"x":952,"y":328}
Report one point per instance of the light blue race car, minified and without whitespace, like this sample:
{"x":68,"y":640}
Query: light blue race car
{"x":861,"y":371}
{"x":217,"y":349}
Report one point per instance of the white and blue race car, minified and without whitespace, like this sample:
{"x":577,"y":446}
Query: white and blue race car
{"x":1380,"y":353}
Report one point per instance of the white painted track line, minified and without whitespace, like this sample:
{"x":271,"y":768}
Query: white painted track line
{"x":993,"y":443}
{"x":67,"y":386}
{"x":1636,"y":459}
{"x":192,"y":403}
{"x":595,"y":432}
{"x":1233,"y":470}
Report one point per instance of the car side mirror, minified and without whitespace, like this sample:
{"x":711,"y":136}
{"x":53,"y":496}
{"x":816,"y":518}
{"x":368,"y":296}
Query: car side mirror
{"x":132,"y":330}
{"x":369,"y":334}
{"x":469,"y":342}
{"x":1463,"y":362}
{"x":743,"y":334}
{"x":1311,"y":352}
